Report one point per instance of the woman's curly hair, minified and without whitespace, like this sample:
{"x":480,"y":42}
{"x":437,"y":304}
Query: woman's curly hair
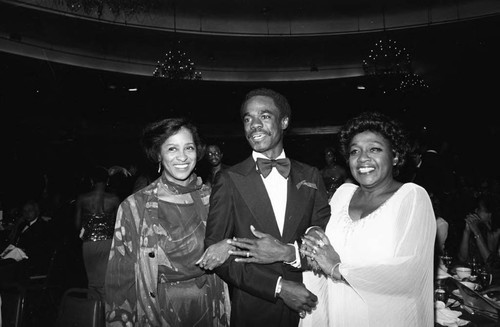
{"x":379,"y":123}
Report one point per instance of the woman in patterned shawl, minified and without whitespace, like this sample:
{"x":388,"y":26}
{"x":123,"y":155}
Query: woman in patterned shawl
{"x":152,"y":277}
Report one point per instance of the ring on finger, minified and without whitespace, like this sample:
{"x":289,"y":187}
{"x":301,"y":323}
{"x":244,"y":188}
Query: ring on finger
{"x":302,"y":314}
{"x":248,"y":254}
{"x":321,"y":243}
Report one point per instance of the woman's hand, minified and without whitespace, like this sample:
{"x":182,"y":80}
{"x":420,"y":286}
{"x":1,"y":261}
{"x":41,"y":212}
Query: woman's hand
{"x":215,"y":255}
{"x":472,"y":221}
{"x":319,"y":249}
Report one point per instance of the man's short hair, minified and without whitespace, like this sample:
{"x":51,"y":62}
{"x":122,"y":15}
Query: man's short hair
{"x":279,"y":100}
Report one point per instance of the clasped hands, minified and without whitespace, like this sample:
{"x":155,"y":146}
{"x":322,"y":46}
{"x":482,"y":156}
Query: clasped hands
{"x":264,"y":249}
{"x":472,"y":220}
{"x":320,"y":254}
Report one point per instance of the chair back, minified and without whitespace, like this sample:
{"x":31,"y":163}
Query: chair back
{"x":78,"y":310}
{"x":12,"y":305}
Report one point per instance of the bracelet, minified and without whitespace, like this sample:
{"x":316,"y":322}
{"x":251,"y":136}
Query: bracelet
{"x":332,"y":271}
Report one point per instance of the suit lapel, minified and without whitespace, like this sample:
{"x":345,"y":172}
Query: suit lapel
{"x":254,"y":193}
{"x":295,"y":202}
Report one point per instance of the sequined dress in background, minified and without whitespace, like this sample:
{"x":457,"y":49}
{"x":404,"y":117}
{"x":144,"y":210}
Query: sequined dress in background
{"x":97,"y":236}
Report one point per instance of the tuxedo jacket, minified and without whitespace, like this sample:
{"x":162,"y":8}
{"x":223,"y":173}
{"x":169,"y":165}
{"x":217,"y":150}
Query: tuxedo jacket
{"x":38,"y":242}
{"x":239,"y":199}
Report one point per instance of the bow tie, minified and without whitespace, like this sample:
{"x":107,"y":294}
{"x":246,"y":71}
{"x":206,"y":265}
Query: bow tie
{"x":282,"y":165}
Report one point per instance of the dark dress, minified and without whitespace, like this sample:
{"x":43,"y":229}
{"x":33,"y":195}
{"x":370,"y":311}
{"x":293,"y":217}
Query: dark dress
{"x":98,"y":233}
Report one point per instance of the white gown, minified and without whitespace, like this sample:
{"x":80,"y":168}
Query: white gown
{"x":387,"y":259}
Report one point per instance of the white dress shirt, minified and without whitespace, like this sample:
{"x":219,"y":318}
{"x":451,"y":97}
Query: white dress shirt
{"x":277,"y":189}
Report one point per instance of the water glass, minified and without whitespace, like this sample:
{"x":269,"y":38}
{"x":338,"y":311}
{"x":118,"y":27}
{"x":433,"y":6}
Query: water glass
{"x":446,"y":260}
{"x":440,"y":294}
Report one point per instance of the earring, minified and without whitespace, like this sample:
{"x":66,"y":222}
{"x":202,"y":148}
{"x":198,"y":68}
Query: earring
{"x":159,"y":167}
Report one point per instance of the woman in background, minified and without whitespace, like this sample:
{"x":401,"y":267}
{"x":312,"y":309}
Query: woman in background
{"x":95,"y":214}
{"x":152,"y":277}
{"x":481,"y":234}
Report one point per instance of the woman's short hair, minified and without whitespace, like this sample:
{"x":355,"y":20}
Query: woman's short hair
{"x":376,"y":122}
{"x":156,"y":133}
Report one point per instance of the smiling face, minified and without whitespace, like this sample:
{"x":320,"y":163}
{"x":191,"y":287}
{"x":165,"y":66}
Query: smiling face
{"x":264,"y":126}
{"x":371,"y":159}
{"x":178,"y":156}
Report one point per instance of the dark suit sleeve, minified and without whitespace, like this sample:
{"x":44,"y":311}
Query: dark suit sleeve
{"x":259,"y":280}
{"x":219,"y":221}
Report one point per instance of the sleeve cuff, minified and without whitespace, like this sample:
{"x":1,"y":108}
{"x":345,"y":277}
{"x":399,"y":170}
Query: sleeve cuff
{"x":278,"y":287}
{"x":295,"y":263}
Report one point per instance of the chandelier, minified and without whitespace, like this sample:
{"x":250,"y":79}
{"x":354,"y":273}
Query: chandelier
{"x":412,"y":83}
{"x":176,"y":65}
{"x":386,"y":57}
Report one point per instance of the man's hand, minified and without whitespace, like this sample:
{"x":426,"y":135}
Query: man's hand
{"x":265,"y":249}
{"x":297,"y":297}
{"x":215,"y":255}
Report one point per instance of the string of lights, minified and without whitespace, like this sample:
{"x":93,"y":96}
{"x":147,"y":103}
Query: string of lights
{"x":176,"y":65}
{"x":386,"y":57}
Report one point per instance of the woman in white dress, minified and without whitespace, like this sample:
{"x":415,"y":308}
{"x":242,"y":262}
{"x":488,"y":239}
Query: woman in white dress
{"x":374,"y":263}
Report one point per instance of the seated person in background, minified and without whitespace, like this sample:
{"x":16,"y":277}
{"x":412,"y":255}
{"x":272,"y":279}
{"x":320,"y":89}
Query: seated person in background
{"x":441,"y":225}
{"x":33,"y":234}
{"x":480,"y":238}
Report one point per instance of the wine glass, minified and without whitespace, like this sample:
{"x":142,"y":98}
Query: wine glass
{"x":446,"y":259}
{"x":475,"y":268}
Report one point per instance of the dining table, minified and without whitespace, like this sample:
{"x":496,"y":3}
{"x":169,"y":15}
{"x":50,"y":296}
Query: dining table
{"x":474,"y":302}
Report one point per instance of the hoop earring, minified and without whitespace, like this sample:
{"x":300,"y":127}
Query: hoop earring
{"x":159,"y":167}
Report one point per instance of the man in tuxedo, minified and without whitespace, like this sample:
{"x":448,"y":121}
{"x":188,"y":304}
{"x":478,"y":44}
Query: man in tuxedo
{"x":34,"y":236}
{"x":267,"y":206}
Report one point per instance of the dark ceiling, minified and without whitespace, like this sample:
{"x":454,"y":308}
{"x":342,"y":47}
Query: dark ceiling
{"x":62,"y":114}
